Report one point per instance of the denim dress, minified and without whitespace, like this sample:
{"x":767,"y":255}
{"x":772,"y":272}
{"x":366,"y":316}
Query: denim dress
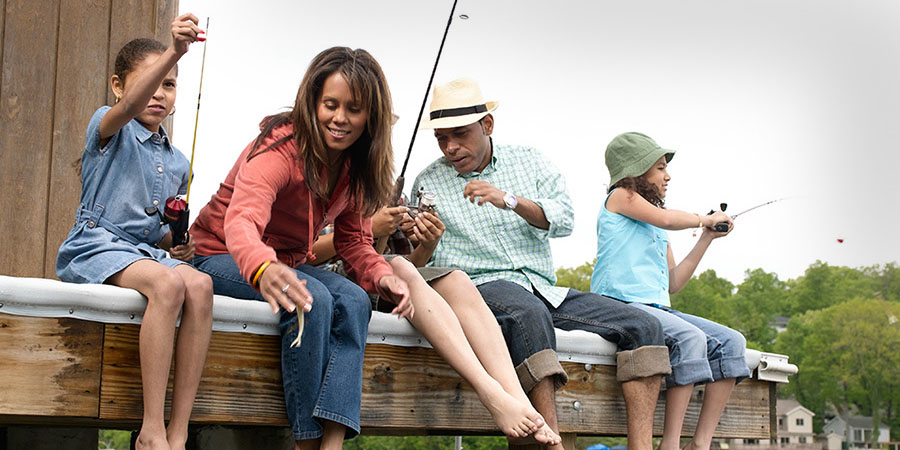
{"x":136,"y":169}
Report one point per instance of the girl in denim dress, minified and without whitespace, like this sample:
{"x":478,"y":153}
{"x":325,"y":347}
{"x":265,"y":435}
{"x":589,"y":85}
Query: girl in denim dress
{"x":127,"y":167}
{"x":635,"y":264}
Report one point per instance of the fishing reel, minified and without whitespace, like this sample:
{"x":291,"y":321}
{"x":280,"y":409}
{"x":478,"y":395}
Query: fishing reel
{"x":426,"y":202}
{"x":176,"y":215}
{"x":721,"y":227}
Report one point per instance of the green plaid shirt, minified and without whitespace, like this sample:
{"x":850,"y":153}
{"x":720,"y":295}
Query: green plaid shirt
{"x":489,"y":243}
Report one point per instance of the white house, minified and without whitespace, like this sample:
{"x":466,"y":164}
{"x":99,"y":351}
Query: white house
{"x":794,"y":422}
{"x":857,"y":430}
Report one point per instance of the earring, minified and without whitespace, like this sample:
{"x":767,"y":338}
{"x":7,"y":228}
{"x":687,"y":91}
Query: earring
{"x":118,"y":98}
{"x":173,"y":110}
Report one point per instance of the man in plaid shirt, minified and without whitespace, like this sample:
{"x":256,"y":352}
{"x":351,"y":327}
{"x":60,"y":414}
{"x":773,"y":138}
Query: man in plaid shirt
{"x":498,"y":206}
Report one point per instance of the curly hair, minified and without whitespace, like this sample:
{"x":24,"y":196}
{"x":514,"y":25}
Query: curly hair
{"x":371,"y":156}
{"x":643,"y":187}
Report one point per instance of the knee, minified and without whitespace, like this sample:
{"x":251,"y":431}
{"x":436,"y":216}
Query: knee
{"x":733,"y":343}
{"x":199,"y":292}
{"x":167,"y":291}
{"x":404,"y":269}
{"x":692,"y":344}
{"x":647,"y":329}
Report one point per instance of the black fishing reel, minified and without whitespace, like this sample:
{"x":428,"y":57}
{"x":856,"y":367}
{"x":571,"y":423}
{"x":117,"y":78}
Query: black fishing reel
{"x":721,"y":227}
{"x":175,"y":214}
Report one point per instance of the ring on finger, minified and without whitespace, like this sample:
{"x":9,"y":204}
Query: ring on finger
{"x":285,"y":288}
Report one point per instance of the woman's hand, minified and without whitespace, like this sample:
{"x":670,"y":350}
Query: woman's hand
{"x":387,"y":219}
{"x":183,"y":252}
{"x":185,"y":32}
{"x":427,"y":229}
{"x":280,"y":286}
{"x":399,"y":295}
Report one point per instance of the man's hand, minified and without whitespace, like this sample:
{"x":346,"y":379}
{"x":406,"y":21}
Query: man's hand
{"x":427,"y":230}
{"x":399,"y":295}
{"x":484,"y":192}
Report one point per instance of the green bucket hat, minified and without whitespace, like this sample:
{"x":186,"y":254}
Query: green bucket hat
{"x":632,"y":154}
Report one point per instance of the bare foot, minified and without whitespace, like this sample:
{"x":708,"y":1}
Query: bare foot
{"x":149,"y":441}
{"x":544,"y":436}
{"x":177,"y":444}
{"x":512,"y":417}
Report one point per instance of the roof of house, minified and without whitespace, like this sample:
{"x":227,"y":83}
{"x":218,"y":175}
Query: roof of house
{"x":785,"y":406}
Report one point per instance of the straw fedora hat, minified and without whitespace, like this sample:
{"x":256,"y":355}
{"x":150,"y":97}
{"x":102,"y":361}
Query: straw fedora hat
{"x":457,"y":104}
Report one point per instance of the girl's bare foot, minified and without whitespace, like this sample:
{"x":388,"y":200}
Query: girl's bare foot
{"x":512,"y":417}
{"x":151,"y":441}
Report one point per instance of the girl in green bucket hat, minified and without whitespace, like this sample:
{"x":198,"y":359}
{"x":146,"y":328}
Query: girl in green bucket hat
{"x":635,"y":265}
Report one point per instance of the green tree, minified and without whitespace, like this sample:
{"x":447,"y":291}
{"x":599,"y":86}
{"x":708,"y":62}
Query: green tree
{"x":823,"y":286}
{"x":576,"y":277}
{"x":705,"y":295}
{"x":849,"y":353}
{"x":758,"y":299}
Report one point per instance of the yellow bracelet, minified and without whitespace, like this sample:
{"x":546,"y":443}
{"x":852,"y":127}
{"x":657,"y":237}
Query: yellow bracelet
{"x":699,"y":221}
{"x":258,"y":274}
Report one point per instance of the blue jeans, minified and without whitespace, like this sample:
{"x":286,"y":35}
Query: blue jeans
{"x":528,"y":331}
{"x":323,"y":375}
{"x":638,"y":336}
{"x":700,"y":350}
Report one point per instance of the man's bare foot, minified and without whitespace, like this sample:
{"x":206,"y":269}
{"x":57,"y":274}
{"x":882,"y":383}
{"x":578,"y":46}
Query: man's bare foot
{"x":177,"y":444}
{"x":512,"y":417}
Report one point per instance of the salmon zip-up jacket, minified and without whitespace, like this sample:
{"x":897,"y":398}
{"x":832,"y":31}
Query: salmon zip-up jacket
{"x":263,"y":211}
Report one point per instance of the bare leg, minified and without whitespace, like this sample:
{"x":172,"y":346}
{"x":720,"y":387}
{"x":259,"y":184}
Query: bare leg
{"x":714,"y":400}
{"x":164,"y":290}
{"x":484,"y":336}
{"x":677,"y":400}
{"x":437,"y":322}
{"x":640,"y":402}
{"x":332,"y":438}
{"x":190,"y":351}
{"x":543,"y":397}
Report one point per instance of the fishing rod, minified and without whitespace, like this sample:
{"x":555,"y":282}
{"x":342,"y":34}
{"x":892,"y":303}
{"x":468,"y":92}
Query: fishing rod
{"x":723,"y":226}
{"x":381,"y":243}
{"x":176,"y":212}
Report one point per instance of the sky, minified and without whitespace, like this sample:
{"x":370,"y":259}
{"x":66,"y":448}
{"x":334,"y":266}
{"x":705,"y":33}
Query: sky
{"x":762,"y":100}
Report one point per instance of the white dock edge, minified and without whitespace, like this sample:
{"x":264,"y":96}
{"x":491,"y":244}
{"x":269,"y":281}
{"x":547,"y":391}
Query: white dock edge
{"x":40,"y":297}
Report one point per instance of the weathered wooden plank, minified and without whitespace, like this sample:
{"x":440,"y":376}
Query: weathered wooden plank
{"x":51,"y":367}
{"x":592,"y":403}
{"x":405,"y":391}
{"x":26,"y":118}
{"x":81,"y":85}
{"x":241,"y":380}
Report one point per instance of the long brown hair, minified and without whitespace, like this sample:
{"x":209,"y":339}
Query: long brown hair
{"x":371,"y":156}
{"x":643,"y":188}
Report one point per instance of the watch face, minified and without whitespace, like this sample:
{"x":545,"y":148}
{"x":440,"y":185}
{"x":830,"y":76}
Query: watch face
{"x":510,"y":201}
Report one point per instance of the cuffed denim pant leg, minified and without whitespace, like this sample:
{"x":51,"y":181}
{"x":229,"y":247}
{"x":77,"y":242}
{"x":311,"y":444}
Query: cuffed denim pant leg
{"x":528,"y":331}
{"x":638,"y":336}
{"x":323,"y":375}
{"x":700,"y":350}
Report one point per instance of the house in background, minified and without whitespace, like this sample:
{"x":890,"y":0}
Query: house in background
{"x":795,"y":422}
{"x":856,"y":430}
{"x":794,"y":428}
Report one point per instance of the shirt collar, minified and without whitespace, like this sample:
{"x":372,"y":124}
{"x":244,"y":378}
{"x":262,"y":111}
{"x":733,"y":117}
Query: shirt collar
{"x":488,"y":169}
{"x":143,"y":134}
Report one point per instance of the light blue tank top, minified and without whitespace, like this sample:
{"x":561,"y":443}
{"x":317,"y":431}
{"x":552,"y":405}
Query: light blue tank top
{"x":631,"y":260}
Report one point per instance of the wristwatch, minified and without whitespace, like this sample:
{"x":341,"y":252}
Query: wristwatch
{"x":511,"y":201}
